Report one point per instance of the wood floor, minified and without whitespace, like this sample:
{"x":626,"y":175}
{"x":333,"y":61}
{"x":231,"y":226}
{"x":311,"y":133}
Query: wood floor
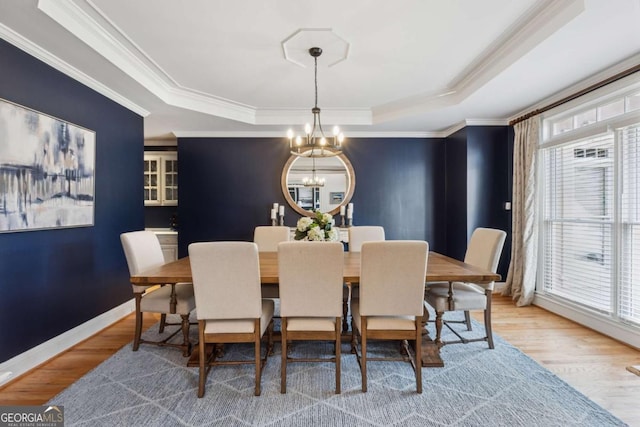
{"x":590,"y":362}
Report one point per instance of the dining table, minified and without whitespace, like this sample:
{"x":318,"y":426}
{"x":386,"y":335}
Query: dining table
{"x":440,"y":268}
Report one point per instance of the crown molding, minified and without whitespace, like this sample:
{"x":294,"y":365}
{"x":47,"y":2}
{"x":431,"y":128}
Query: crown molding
{"x":335,"y":116}
{"x":43,"y":55}
{"x":542,"y":20}
{"x":528,"y":31}
{"x":108,"y":40}
{"x":277,"y":134}
{"x":583,"y":84}
{"x":350,"y":135}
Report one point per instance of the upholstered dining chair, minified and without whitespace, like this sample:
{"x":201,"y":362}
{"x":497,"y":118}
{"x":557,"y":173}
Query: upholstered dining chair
{"x":143,"y":251}
{"x":357,"y":236}
{"x":310,"y":275}
{"x":364,"y":233}
{"x":226,"y":282}
{"x":484,"y":250}
{"x":391,"y":303}
{"x":267,"y":239}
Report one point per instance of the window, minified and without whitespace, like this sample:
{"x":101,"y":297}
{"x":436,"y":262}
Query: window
{"x":589,"y":189}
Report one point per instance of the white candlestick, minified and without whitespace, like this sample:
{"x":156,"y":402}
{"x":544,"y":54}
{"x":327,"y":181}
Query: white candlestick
{"x":281,"y":210}
{"x":273,"y":214}
{"x":342,"y":210}
{"x":275,"y":206}
{"x":350,"y":211}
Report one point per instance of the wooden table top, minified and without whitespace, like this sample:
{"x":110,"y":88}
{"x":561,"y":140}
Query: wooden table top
{"x":440,"y":268}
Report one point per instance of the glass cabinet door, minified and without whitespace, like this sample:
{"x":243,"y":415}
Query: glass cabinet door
{"x":151,"y":180}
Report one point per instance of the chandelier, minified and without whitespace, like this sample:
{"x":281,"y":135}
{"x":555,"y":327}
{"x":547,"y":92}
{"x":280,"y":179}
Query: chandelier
{"x":315,"y":180}
{"x":314,"y":143}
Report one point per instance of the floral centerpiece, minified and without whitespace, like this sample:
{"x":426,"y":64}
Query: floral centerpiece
{"x":318,"y":227}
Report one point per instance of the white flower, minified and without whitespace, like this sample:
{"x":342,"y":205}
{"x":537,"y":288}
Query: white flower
{"x":326,"y":218}
{"x":332,"y":235}
{"x":304,"y":223}
{"x":316,"y":233}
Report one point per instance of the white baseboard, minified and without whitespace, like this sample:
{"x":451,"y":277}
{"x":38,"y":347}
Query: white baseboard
{"x":627,"y":334}
{"x":30,"y":359}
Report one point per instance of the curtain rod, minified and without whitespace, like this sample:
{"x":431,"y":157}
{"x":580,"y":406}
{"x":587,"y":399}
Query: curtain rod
{"x":566,"y":99}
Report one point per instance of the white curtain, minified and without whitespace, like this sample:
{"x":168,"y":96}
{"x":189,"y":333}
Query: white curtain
{"x":521,"y":279}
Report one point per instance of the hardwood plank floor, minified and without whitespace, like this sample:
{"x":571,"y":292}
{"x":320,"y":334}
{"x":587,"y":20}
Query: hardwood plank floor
{"x":592,"y":363}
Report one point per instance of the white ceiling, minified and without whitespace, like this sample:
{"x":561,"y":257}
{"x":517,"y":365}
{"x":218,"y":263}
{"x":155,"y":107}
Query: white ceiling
{"x":409,"y":68}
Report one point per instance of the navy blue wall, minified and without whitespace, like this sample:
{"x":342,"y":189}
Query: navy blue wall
{"x":456,"y":194}
{"x":478,"y":183}
{"x":227,"y":187}
{"x":54,"y":280}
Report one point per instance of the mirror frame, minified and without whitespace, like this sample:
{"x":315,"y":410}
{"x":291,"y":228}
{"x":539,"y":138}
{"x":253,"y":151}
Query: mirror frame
{"x":292,"y":203}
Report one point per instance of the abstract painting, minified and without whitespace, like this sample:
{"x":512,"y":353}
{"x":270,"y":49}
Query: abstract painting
{"x":47,"y":171}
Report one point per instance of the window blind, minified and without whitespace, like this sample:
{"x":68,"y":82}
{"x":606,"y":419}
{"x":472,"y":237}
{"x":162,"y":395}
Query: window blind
{"x":578,"y":195}
{"x":629,"y":289}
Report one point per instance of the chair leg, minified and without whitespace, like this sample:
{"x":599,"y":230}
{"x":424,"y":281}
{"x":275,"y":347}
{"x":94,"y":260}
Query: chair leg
{"x":283,"y":364}
{"x":345,"y":312}
{"x":354,"y":342}
{"x":338,"y":350}
{"x":269,"y":340}
{"x":185,"y":335}
{"x":257,"y":328}
{"x":418,"y":353}
{"x":467,"y":319}
{"x":363,"y":359}
{"x":163,"y":322}
{"x":138,"y":331}
{"x":487,"y":320}
{"x":202,"y":357}
{"x":439,"y":327}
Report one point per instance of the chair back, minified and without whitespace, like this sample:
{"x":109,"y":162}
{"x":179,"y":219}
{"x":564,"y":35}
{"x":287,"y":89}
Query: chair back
{"x":268,"y":237}
{"x":364,"y":233}
{"x":485,"y":248}
{"x":226,"y":280}
{"x":392,"y":278}
{"x":310,"y":276}
{"x":143,"y":252}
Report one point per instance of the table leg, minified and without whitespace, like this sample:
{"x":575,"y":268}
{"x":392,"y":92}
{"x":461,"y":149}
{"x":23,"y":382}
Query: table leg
{"x":430,"y":349}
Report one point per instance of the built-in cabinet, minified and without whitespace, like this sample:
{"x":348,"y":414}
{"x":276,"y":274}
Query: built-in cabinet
{"x":169,"y":244}
{"x":160,"y":178}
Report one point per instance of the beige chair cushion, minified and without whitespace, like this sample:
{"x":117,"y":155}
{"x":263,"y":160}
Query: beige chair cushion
{"x":392,"y":278}
{"x":236,"y":326}
{"x":158,"y":300}
{"x":267,"y":238}
{"x":226,"y":280}
{"x":365,"y":233}
{"x":380,"y":323}
{"x":466,"y":296}
{"x":311,"y":324}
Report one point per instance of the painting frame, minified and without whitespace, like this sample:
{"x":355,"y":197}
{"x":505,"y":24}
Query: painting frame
{"x":336,"y":197}
{"x":47,"y":171}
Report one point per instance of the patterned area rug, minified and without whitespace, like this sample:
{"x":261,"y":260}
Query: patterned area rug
{"x":477,"y":387}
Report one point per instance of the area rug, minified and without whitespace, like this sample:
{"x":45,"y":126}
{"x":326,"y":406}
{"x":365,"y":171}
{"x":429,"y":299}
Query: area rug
{"x":477,"y":387}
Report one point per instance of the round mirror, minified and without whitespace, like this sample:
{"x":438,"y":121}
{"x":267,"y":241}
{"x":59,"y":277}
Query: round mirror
{"x":323,"y":183}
